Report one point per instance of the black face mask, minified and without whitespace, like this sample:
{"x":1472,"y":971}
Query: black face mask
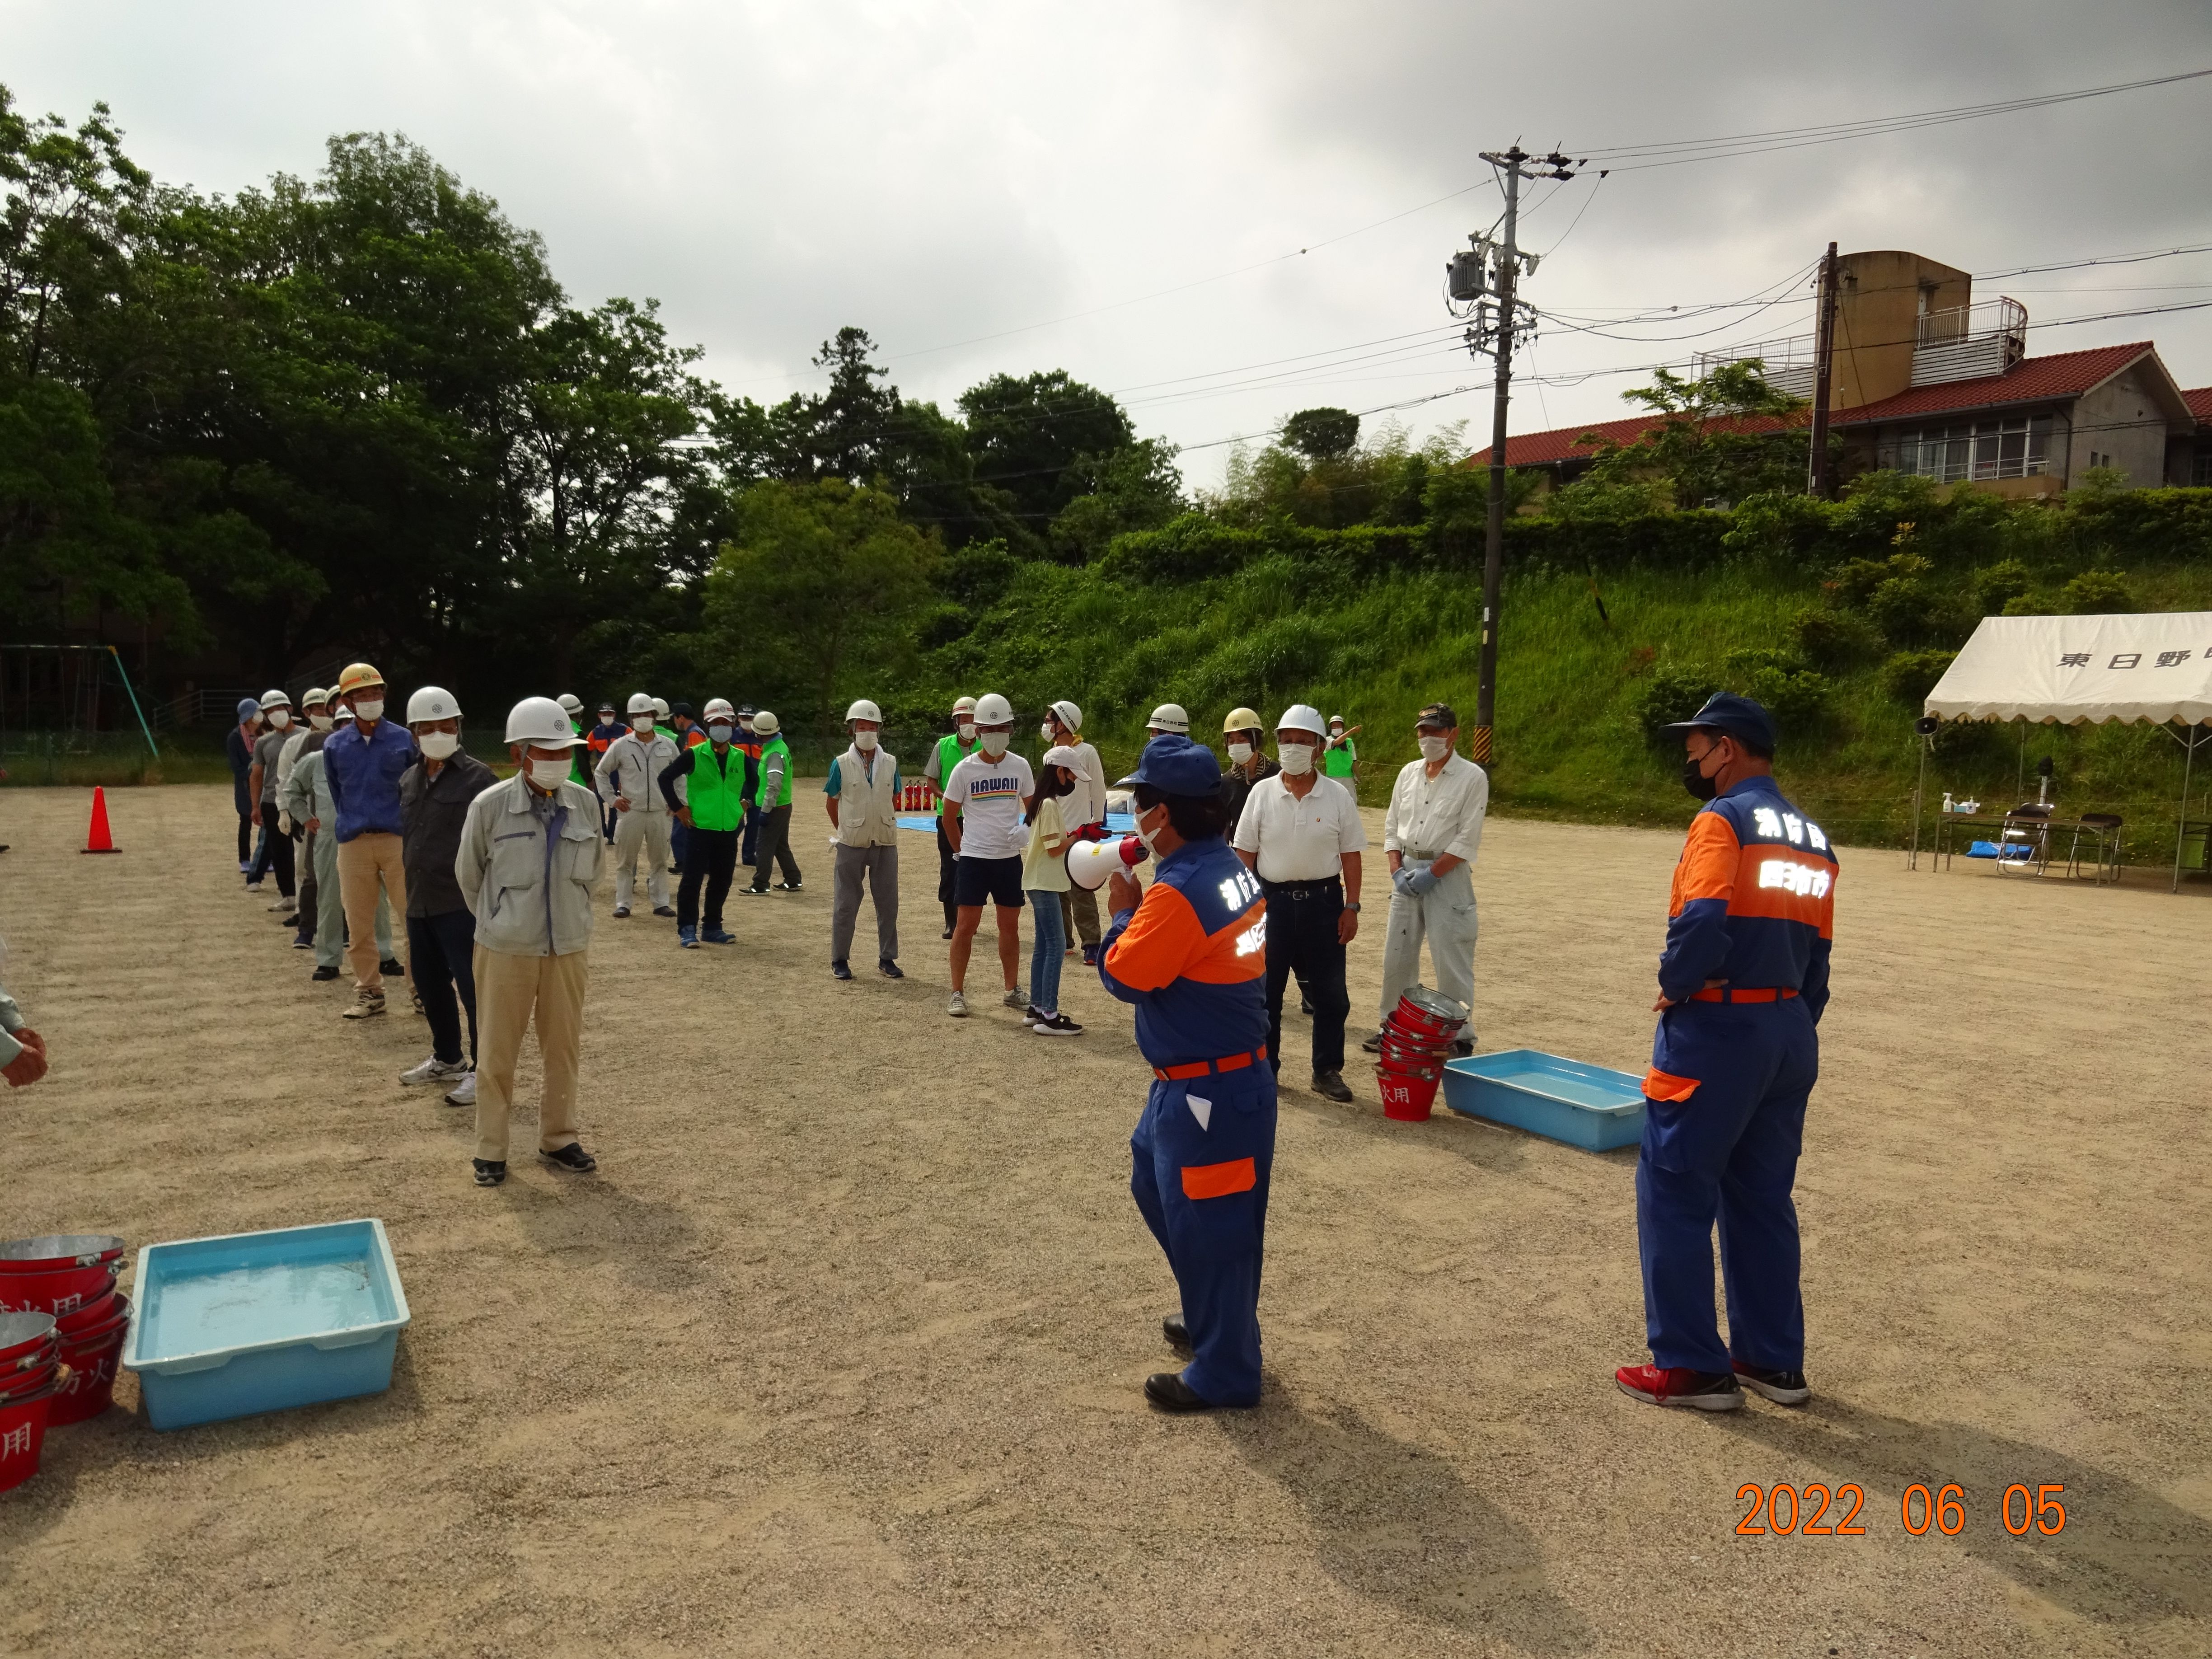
{"x":1699,"y":786}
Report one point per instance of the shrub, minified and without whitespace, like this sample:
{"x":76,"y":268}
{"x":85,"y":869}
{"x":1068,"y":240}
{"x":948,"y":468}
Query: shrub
{"x":1673,"y":693}
{"x":1796,"y":697}
{"x":1911,"y":610}
{"x":1910,"y":676}
{"x":2000,"y":584}
{"x":1834,"y":640}
{"x":2097,"y":592}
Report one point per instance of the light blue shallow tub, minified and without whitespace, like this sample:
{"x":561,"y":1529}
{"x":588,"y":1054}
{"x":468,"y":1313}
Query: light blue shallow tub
{"x":251,"y":1322}
{"x":1569,"y":1100}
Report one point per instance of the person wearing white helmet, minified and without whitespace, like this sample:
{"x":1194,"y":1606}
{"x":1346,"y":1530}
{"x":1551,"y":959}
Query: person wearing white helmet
{"x":572,"y":706}
{"x":771,"y":800}
{"x":985,"y":801}
{"x":1083,"y":816}
{"x":706,"y":791}
{"x":530,"y":852}
{"x":629,"y":780}
{"x":314,"y":708}
{"x":274,"y":851}
{"x":1168,"y":717}
{"x":952,"y":749}
{"x":306,"y":797}
{"x":434,"y":794}
{"x":1300,"y":833}
{"x":862,"y":797}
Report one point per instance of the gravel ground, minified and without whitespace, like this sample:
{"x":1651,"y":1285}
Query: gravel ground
{"x":839,"y":1352}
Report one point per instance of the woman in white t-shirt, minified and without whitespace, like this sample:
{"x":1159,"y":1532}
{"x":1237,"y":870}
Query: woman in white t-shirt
{"x":1044,"y":875}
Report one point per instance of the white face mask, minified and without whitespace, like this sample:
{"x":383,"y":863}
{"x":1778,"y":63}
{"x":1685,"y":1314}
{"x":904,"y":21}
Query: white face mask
{"x":280,"y":718}
{"x":370,"y":709}
{"x":1297,"y":757}
{"x":643,"y":726}
{"x":720,"y":734}
{"x":994,"y":743}
{"x":863,"y":741}
{"x":548,"y":773}
{"x":439,"y":745}
{"x":320,"y":722}
{"x":1434,"y":749}
{"x":1145,"y":835}
{"x":1045,"y":731}
{"x":1239,"y":753}
{"x":967,"y":731}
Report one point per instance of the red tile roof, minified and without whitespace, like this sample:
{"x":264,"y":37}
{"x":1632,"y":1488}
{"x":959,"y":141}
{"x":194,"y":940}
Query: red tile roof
{"x":1565,"y":442}
{"x":2031,"y":380}
{"x":2200,"y":403}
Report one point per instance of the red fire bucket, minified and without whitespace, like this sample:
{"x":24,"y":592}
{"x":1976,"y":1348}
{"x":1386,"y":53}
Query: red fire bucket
{"x":49,"y":1251}
{"x":1423,"y":1015}
{"x":59,"y":1290}
{"x":23,"y":1433}
{"x":1407,"y":1099}
{"x":22,"y":1336}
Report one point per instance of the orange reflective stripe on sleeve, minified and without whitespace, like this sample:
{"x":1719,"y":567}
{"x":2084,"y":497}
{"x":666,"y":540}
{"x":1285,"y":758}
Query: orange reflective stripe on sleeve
{"x":1708,"y":865}
{"x":1665,"y":1086}
{"x":1239,"y":1175}
{"x":1160,"y":943}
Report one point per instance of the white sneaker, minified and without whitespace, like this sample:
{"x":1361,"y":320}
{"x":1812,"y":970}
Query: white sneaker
{"x":958,"y":1006}
{"x":463,"y":1093}
{"x":367,"y":1004}
{"x":433,"y":1070}
{"x":284,"y":906}
{"x":1017,"y":998}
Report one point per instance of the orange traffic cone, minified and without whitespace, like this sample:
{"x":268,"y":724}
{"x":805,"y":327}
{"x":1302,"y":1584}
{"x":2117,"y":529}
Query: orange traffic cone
{"x":98,"y":840}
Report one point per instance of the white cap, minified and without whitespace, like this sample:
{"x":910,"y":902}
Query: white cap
{"x":1170,"y":717}
{"x":1060,"y":754}
{"x":660,"y":708}
{"x":1070,"y":716}
{"x":432,"y":702}
{"x":720,"y":706}
{"x":765,"y":721}
{"x":1302,"y":717}
{"x":864,"y":710}
{"x":276,"y":699}
{"x":542,"y":721}
{"x":313,"y":694}
{"x":991,"y":709}
{"x":568,"y":700}
{"x":639,"y":703}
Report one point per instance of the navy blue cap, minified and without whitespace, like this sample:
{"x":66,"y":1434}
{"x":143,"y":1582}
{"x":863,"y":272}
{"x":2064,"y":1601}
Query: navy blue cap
{"x":1174,"y":765}
{"x":1733,"y":716}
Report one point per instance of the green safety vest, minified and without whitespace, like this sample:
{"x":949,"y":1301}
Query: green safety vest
{"x":1337,"y":762}
{"x":716,"y":798}
{"x":950,"y":754}
{"x":776,"y":745}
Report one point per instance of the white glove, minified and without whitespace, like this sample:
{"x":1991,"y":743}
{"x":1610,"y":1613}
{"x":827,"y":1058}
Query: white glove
{"x":284,"y":824}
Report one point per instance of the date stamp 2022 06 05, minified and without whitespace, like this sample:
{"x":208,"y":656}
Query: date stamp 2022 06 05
{"x":1815,"y":1510}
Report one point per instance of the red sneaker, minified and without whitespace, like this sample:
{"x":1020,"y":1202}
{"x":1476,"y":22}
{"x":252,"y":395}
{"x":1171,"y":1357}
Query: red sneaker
{"x":1662,"y":1385}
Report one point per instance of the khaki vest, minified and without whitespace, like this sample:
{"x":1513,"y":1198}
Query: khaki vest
{"x":867,"y":811}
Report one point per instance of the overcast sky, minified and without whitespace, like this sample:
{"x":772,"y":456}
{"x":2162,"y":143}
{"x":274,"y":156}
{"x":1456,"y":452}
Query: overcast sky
{"x":1003,"y":186}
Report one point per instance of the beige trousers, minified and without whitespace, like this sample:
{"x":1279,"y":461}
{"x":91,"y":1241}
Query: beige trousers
{"x":510,"y":990}
{"x":370,"y":857}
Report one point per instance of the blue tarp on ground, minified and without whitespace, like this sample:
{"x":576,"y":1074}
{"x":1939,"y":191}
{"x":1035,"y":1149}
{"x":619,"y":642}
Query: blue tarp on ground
{"x":1118,"y":824}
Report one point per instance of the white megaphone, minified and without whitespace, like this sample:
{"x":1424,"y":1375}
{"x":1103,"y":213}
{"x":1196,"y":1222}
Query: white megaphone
{"x":1089,"y":862}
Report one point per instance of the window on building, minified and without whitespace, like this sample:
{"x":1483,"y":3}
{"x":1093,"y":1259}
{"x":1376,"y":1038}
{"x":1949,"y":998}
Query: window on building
{"x":2200,"y":465}
{"x":2019,"y":446}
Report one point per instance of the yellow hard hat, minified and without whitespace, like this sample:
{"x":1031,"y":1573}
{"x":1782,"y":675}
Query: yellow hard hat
{"x":1242,"y":720}
{"x":356,"y":675}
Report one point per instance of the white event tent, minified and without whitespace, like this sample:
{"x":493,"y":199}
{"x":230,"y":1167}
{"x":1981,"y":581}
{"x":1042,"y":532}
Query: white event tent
{"x":2077,"y":671}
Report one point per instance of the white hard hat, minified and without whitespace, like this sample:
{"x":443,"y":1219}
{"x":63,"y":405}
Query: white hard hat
{"x":1070,"y":716}
{"x":538,"y":720}
{"x":569,"y":701}
{"x":432,"y":702}
{"x":639,"y":703}
{"x":1170,"y":717}
{"x":660,"y":708}
{"x":313,"y":694}
{"x":991,"y":709}
{"x":964,"y":705}
{"x":275,"y":700}
{"x":864,"y":710}
{"x":1302,"y":717}
{"x":764,"y":721}
{"x":720,"y":706}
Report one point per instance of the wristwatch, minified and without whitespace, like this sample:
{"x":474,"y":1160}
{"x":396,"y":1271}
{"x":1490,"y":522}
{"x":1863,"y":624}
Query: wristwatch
{"x":1353,"y":906}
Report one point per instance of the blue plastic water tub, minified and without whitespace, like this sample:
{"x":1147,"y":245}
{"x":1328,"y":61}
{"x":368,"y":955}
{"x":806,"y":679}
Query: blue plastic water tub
{"x":251,"y":1322}
{"x":1585,"y":1105}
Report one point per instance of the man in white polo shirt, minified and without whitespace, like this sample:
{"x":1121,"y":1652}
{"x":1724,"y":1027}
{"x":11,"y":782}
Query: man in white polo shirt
{"x":1300,"y":833}
{"x":985,"y":801}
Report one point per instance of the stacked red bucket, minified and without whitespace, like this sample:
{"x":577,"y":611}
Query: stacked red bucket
{"x":62,"y":1326}
{"x":1417,"y":1041}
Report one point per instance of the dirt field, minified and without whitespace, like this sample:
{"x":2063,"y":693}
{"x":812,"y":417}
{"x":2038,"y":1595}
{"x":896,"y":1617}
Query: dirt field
{"x":816,"y":1369}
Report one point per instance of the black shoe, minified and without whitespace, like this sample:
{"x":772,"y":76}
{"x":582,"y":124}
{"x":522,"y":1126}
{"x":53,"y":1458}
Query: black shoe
{"x":1177,"y":1333}
{"x":889,"y":969}
{"x":1167,"y":1390}
{"x":675,"y":869}
{"x":391,"y":969}
{"x":324,"y":976}
{"x":947,"y":934}
{"x":789,"y":887}
{"x":1089,"y":954}
{"x":1782,"y":1388}
{"x":663,"y":911}
{"x":572,"y":1156}
{"x":488,"y":1174}
{"x":753,"y":892}
{"x":1373,"y":1045}
{"x":839,"y":970}
{"x":1330,"y":1085}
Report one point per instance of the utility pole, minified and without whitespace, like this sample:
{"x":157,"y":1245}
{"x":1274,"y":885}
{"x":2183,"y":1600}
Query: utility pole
{"x":1489,"y":276}
{"x":1824,"y":361}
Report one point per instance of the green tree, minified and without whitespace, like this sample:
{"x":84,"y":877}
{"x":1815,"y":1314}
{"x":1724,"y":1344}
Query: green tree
{"x":1033,"y":436}
{"x":1322,"y":435}
{"x":1711,"y":440}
